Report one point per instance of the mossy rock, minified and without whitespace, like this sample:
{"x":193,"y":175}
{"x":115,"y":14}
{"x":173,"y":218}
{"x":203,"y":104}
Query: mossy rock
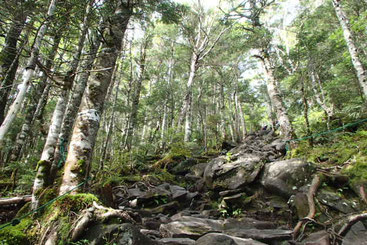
{"x":15,"y":235}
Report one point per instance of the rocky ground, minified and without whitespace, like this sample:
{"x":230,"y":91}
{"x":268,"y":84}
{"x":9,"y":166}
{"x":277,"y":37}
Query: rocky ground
{"x":247,"y":195}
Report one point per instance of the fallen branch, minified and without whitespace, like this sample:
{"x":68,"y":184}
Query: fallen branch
{"x":15,"y":200}
{"x":316,"y":181}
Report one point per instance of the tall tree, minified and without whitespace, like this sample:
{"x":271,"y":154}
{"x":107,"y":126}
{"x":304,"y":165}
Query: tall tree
{"x":87,"y":123}
{"x":27,"y":74}
{"x":353,"y":50}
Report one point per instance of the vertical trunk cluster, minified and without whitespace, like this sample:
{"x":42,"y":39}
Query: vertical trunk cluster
{"x":27,"y":75}
{"x":9,"y":59}
{"x":36,"y":93}
{"x":47,"y":167}
{"x":136,"y":95}
{"x":353,"y":51}
{"x":87,"y":122}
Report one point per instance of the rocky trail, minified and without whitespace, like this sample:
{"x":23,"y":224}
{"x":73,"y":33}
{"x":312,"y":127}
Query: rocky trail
{"x":248,"y":195}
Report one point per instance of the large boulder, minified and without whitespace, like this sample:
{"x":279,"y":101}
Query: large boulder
{"x":222,"y":239}
{"x":225,"y":173}
{"x":284,"y":178}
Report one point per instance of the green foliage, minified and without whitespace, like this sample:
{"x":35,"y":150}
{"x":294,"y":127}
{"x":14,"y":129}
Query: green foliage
{"x":339,"y":149}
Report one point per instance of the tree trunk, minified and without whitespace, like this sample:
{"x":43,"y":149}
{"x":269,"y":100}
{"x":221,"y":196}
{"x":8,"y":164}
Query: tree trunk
{"x":87,"y":123}
{"x":136,"y":96}
{"x":79,"y":88}
{"x":109,"y":126}
{"x":32,"y":107}
{"x":27,"y":75}
{"x":9,"y":60}
{"x":276,"y":100}
{"x":353,"y":51}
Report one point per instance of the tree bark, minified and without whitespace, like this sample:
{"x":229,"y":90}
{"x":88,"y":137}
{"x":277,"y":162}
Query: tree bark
{"x":27,"y":75}
{"x":353,"y":51}
{"x":276,"y":99}
{"x":137,"y":90}
{"x":87,"y":123}
{"x":9,"y":60}
{"x":32,"y":107}
{"x":79,"y":88}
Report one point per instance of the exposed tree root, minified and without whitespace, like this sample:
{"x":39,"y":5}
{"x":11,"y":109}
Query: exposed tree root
{"x":362,"y":193}
{"x":316,"y":181}
{"x":350,"y":221}
{"x":97,"y":213}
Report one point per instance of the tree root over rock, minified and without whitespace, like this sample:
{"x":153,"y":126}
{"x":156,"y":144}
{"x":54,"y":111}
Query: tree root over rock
{"x":316,"y":181}
{"x":95,"y":213}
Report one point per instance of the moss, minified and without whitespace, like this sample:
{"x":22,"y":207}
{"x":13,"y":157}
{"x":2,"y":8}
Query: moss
{"x":76,"y":202}
{"x":358,"y":171}
{"x":79,"y":168}
{"x":16,"y":234}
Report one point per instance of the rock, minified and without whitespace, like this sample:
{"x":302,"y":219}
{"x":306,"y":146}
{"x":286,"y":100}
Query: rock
{"x":356,"y":235}
{"x":125,"y":234}
{"x":151,"y":223}
{"x":237,"y":200}
{"x":247,"y":223}
{"x":224,"y":174}
{"x":301,"y":204}
{"x":317,"y":238}
{"x":226,"y":146}
{"x":286,"y":177}
{"x":336,"y":202}
{"x":176,"y":241}
{"x":189,"y":227}
{"x":222,"y":239}
{"x":267,"y":235}
{"x":168,"y":208}
{"x":198,"y":169}
{"x":184,"y":167}
{"x":229,"y":192}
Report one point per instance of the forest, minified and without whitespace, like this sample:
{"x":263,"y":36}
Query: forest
{"x":183,"y":122}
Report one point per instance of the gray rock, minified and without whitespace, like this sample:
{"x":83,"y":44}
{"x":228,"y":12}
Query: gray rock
{"x":222,"y":239}
{"x":125,"y":234}
{"x":286,"y":177}
{"x":189,"y":227}
{"x":198,"y":169}
{"x":336,"y":202}
{"x":247,"y":223}
{"x":317,"y":238}
{"x":224,"y":174}
{"x":267,"y":235}
{"x":184,"y":167}
{"x":176,"y":241}
{"x":356,"y":235}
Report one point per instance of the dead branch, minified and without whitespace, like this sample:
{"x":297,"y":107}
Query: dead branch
{"x":15,"y":200}
{"x":316,"y":181}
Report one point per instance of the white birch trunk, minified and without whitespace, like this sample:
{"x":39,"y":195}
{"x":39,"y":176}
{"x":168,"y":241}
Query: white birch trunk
{"x":276,"y":100}
{"x":353,"y":51}
{"x":42,"y":178}
{"x":27,"y":75}
{"x":87,"y":123}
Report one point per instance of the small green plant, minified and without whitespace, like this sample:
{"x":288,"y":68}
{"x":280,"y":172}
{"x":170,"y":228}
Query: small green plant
{"x":80,"y":242}
{"x":229,"y":156}
{"x":237,"y":212}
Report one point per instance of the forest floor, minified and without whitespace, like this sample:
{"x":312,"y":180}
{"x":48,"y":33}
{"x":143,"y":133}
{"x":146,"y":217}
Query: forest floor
{"x":254,"y":193}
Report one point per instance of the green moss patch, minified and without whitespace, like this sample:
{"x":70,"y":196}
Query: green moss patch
{"x":16,"y":234}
